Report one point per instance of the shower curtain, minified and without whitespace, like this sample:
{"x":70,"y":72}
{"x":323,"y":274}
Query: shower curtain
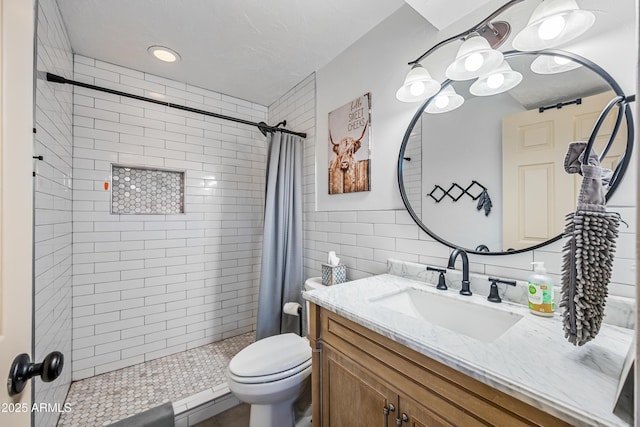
{"x":281,"y":272}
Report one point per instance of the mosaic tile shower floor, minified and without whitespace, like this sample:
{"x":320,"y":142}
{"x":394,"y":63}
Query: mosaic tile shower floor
{"x":107,"y":398}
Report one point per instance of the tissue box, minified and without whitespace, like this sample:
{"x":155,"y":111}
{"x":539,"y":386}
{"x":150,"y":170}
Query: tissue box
{"x":333,"y":274}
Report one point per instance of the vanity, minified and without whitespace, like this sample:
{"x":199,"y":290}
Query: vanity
{"x":378,"y":360}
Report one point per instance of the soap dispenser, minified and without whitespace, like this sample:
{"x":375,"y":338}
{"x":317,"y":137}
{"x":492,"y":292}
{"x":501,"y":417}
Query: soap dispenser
{"x":540,"y":291}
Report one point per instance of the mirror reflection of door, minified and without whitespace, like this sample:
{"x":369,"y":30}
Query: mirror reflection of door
{"x":536,"y":192}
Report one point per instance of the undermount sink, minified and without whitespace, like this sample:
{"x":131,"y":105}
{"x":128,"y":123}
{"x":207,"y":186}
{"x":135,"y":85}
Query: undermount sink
{"x":466,"y":317}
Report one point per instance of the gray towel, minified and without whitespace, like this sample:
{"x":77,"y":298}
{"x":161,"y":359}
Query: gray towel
{"x":589,"y":251}
{"x":484,"y":201}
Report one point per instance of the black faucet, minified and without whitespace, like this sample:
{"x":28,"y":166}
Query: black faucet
{"x":465,"y":269}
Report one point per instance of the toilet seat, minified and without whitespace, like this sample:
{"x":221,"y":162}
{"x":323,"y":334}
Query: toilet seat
{"x":270,"y":378}
{"x":271,"y":359}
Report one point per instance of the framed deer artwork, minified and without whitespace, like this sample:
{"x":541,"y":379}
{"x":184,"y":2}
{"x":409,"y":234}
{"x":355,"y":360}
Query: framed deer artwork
{"x":349,"y":146}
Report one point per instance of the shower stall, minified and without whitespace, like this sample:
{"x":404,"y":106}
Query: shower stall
{"x":148,"y":224}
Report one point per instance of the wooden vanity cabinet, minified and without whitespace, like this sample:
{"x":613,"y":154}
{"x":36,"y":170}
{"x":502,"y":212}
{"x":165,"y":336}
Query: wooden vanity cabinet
{"x":362,"y":379}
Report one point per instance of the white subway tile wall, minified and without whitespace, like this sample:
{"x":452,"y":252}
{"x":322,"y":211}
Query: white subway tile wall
{"x":146,"y":286}
{"x":53,"y":202}
{"x":364,"y":240}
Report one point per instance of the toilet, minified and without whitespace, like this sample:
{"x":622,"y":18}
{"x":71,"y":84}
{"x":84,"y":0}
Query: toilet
{"x":272,"y":373}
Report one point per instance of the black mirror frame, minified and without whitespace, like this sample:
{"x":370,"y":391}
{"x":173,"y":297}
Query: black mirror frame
{"x":618,"y":173}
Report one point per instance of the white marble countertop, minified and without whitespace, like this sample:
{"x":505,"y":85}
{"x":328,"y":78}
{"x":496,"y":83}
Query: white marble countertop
{"x":531,"y":361}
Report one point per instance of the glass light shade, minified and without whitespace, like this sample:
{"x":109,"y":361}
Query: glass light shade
{"x":498,"y":80}
{"x":475,"y":57}
{"x":418,"y":85}
{"x":553,"y":23}
{"x":546,"y":64}
{"x":446,"y":100}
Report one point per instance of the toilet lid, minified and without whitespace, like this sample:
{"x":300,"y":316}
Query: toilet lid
{"x":270,"y":356}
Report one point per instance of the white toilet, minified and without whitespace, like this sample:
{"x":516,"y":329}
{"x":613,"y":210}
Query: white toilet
{"x":271,"y":374}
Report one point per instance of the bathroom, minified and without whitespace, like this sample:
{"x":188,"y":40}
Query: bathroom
{"x":113,"y":291}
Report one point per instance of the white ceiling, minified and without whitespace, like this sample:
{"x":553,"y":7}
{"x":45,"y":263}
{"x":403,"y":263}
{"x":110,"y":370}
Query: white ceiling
{"x":251,"y":49}
{"x":440,"y":13}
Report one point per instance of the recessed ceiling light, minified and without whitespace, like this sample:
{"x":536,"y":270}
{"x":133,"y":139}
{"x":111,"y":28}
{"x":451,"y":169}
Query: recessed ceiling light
{"x":164,"y":53}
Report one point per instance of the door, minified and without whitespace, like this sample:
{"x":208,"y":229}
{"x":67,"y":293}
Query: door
{"x":537,"y":192}
{"x":16,"y":151}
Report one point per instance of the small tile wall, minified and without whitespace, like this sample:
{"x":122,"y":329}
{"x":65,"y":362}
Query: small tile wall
{"x":137,"y":191}
{"x":146,"y":286}
{"x":53,"y":202}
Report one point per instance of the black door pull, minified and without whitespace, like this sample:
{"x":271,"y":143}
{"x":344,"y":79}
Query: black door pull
{"x":22,"y":370}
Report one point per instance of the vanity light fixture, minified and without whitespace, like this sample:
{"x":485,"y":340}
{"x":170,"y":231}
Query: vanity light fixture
{"x":474,"y":58}
{"x":553,"y":23}
{"x":498,"y":80}
{"x":447,"y":100}
{"x":164,"y":53}
{"x":494,"y":35}
{"x":546,"y":64}
{"x":418,"y":85}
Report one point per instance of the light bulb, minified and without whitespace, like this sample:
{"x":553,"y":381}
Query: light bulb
{"x":442,"y":101}
{"x":560,"y":60}
{"x":473,"y":62}
{"x":494,"y":81}
{"x":416,"y":88}
{"x":552,"y":27}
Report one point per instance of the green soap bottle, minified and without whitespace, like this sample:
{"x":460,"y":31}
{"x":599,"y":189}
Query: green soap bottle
{"x":540,"y":291}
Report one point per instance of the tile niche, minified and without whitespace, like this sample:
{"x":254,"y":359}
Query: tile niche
{"x":138,"y":190}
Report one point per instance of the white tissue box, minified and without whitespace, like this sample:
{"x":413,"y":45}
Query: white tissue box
{"x":334,"y":274}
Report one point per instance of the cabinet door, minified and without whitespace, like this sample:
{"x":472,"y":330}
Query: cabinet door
{"x":418,"y":415}
{"x":351,"y":396}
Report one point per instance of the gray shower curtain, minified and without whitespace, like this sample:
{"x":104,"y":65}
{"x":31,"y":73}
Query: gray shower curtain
{"x":281,"y":272}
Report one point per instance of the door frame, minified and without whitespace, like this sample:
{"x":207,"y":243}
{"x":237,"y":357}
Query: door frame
{"x":16,"y":198}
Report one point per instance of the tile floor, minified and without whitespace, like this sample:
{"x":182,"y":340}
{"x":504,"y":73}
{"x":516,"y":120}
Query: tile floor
{"x":106,"y":398}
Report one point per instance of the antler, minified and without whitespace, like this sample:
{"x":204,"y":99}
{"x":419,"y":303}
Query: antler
{"x":363,"y":131}
{"x":331,"y":138}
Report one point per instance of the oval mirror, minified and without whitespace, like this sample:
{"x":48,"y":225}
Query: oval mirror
{"x":488,"y":176}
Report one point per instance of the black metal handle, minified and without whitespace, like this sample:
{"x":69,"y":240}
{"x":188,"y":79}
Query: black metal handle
{"x":494,"y":296}
{"x":403,"y":419}
{"x":386,"y":411}
{"x":506,"y":282}
{"x":22,"y":370}
{"x":442,"y":285}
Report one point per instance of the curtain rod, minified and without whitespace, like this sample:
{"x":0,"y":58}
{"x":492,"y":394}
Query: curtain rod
{"x":264,"y":128}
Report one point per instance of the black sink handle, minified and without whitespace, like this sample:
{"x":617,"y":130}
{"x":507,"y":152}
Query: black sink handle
{"x":494,"y":296}
{"x":442,"y":285}
{"x":506,"y":282}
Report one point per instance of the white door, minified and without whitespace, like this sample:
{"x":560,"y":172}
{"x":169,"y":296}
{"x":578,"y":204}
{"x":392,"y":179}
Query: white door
{"x":16,"y":151}
{"x":537,"y":192}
